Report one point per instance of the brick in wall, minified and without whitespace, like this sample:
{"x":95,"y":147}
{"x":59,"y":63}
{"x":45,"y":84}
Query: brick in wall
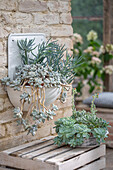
{"x":11,"y":18}
{"x":1,"y":104}
{"x":53,"y":6}
{"x":65,"y":18}
{"x":64,"y":6}
{"x":40,"y":29}
{"x":49,"y":18}
{"x":32,"y":6}
{"x":6,"y":116}
{"x":3,"y":72}
{"x":3,"y":60}
{"x":61,"y":31}
{"x":8,"y":5}
{"x":1,"y":47}
{"x":15,"y":140}
{"x":2,"y":131}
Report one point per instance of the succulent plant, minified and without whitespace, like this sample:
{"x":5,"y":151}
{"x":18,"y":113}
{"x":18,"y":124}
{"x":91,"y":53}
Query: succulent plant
{"x":52,"y":54}
{"x":80,"y":126}
{"x":37,"y":77}
{"x":47,"y":68}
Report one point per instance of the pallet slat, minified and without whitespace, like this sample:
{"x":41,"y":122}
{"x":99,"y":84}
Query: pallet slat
{"x":21,"y":163}
{"x":99,"y":164}
{"x":39,"y":152}
{"x":17,"y":148}
{"x":67,"y":155}
{"x":53,"y":153}
{"x":33,"y":148}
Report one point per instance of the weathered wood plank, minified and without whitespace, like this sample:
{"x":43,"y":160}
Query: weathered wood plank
{"x":17,"y":148}
{"x":19,"y":163}
{"x":39,"y":152}
{"x":57,"y":151}
{"x":67,"y":155}
{"x":33,"y":148}
{"x":82,"y":159}
{"x":99,"y":164}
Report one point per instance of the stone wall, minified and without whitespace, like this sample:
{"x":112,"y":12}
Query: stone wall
{"x":51,"y":17}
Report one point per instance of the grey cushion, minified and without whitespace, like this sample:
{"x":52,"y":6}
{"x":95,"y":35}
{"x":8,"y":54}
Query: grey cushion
{"x":105,"y":100}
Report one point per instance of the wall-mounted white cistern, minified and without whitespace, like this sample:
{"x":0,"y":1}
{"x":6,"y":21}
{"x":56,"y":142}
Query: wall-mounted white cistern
{"x":14,"y":60}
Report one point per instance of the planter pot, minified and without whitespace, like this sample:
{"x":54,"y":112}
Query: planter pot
{"x":51,"y":94}
{"x":90,"y":142}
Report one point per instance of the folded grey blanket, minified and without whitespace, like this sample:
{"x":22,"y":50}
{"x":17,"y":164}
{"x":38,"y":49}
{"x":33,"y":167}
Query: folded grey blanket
{"x":105,"y":99}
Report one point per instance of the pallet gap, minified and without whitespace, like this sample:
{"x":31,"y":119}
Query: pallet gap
{"x":88,"y":163}
{"x":30,"y":146}
{"x":58,"y":154}
{"x":73,"y":156}
{"x":34,"y":150}
{"x":47,"y":151}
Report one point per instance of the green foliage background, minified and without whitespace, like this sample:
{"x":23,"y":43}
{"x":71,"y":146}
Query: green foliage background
{"x":87,"y":8}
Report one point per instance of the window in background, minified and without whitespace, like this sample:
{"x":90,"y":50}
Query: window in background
{"x":87,"y":15}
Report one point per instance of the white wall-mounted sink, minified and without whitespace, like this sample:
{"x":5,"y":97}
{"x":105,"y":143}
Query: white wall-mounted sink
{"x":51,"y":95}
{"x":14,"y":58}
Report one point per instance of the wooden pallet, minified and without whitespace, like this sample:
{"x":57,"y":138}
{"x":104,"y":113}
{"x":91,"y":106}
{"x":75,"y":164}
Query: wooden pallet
{"x":44,"y":155}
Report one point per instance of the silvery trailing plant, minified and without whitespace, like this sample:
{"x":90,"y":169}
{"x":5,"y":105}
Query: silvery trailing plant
{"x":38,"y":71}
{"x":81,"y":126}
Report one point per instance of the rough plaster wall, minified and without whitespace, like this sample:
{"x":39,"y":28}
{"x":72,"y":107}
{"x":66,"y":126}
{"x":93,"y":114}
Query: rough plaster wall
{"x":51,"y":17}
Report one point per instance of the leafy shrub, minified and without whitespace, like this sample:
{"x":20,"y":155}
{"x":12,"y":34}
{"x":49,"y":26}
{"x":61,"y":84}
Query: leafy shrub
{"x":95,"y":56}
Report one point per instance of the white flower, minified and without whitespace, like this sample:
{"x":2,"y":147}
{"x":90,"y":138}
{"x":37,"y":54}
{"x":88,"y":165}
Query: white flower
{"x":102,"y":49}
{"x":88,"y":50}
{"x":109,"y":48}
{"x":76,"y":51}
{"x":95,"y":60}
{"x":108,"y":69}
{"x":77,"y":38}
{"x":92,"y":35}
